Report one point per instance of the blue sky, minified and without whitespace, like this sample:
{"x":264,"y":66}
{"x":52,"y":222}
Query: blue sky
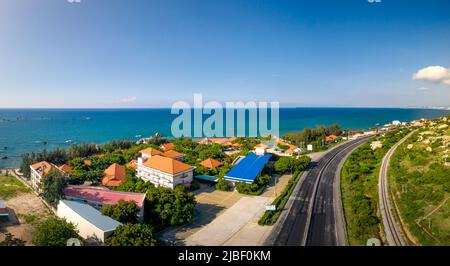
{"x":131,"y":53}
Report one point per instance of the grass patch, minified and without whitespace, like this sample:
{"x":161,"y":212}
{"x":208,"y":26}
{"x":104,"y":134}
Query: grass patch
{"x":421,"y":185}
{"x":359,"y":189}
{"x":10,"y":187}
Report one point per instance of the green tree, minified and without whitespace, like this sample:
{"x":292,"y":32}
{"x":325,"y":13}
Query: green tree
{"x":165,"y":206}
{"x":132,"y":235}
{"x":283,"y":165}
{"x":123,"y":211}
{"x":222,"y":184}
{"x":54,"y":232}
{"x":52,"y":186}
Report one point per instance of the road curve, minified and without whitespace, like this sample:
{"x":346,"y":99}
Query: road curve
{"x":311,"y":218}
{"x":392,"y":230}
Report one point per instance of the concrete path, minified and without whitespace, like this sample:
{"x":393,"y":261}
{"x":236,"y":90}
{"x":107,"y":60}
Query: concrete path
{"x":236,"y":226}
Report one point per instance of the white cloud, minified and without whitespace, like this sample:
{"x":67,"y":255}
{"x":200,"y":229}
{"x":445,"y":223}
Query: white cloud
{"x":436,"y":74}
{"x":422,"y":88}
{"x":126,"y":100}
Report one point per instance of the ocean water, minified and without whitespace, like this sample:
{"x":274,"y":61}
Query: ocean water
{"x":26,"y":130}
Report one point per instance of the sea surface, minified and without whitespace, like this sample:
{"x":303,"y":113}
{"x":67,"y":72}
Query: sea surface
{"x":27,"y":130}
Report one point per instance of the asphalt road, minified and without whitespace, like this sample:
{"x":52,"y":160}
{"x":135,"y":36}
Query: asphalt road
{"x":392,"y":230}
{"x":311,"y":218}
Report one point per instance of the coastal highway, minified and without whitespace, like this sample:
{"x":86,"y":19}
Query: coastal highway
{"x":313,"y":214}
{"x":391,"y":228}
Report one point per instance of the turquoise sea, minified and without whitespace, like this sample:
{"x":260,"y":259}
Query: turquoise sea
{"x":26,"y":130}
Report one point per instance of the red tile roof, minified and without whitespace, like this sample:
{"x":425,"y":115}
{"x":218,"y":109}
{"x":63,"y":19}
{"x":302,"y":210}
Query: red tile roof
{"x":167,"y":146}
{"x":114,"y":175}
{"x":167,"y":165}
{"x":211,"y":163}
{"x":101,"y":195}
{"x":132,"y":164}
{"x":65,"y":168}
{"x":43,"y":167}
{"x":151,"y":151}
{"x":171,"y":154}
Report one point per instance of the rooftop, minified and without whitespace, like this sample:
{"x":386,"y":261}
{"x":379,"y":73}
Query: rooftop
{"x":44,"y":167}
{"x":167,"y":146}
{"x":114,"y":175}
{"x":211,"y":163}
{"x":92,"y":215}
{"x":151,"y":151}
{"x":102,"y":195}
{"x":247,"y":169}
{"x":167,"y":165}
{"x":172,"y":154}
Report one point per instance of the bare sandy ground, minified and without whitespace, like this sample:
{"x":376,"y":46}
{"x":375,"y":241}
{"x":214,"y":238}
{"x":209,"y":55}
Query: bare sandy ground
{"x":26,"y":210}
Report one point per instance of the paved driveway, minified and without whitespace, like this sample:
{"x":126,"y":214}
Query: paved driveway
{"x":236,"y":226}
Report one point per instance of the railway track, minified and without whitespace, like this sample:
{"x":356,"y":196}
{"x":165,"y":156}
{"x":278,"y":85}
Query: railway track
{"x":392,"y":230}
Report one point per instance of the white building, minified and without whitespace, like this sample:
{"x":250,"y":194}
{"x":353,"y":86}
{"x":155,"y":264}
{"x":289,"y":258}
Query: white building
{"x":261,"y":149}
{"x":164,"y":171}
{"x":37,"y":171}
{"x":396,"y":123}
{"x":88,"y":221}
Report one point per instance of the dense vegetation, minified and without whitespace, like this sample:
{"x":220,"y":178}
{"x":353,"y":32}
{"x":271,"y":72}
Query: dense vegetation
{"x":256,"y":188}
{"x":132,"y":235}
{"x":420,"y":181}
{"x":52,"y":187}
{"x":359,"y":179}
{"x":314,"y":136}
{"x":54,"y":232}
{"x":165,"y":207}
{"x":123,"y":211}
{"x":285,"y":165}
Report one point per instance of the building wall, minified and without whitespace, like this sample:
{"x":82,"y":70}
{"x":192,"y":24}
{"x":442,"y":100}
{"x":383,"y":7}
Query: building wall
{"x":85,"y":229}
{"x":159,"y":178}
{"x":35,"y":179}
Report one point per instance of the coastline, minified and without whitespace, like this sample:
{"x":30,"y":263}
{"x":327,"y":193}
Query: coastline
{"x":26,"y":130}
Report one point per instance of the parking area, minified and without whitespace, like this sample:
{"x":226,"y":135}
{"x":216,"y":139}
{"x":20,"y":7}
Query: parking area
{"x":226,"y":218}
{"x":210,"y":204}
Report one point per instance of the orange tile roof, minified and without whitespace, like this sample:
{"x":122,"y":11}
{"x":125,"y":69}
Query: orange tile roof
{"x":330,"y":138}
{"x":132,"y":164}
{"x":261,"y":145}
{"x":114,"y":175}
{"x":211,"y":163}
{"x":65,"y":168}
{"x":87,"y":162}
{"x":167,"y":146}
{"x":166,"y":164}
{"x":43,"y":167}
{"x":151,"y":151}
{"x":171,"y":154}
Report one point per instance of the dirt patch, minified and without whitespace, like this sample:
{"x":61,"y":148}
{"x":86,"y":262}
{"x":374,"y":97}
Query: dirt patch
{"x":26,"y":211}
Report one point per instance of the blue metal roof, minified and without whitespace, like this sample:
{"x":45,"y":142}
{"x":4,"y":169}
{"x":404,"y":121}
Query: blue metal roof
{"x":248,"y":168}
{"x":207,"y":178}
{"x":93,"y":216}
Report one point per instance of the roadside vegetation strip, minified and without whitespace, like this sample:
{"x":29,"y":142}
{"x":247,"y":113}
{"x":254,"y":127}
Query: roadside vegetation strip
{"x":419,"y":180}
{"x":270,"y":217}
{"x":359,"y":188}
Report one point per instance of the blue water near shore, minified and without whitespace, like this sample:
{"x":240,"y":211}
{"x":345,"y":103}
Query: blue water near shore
{"x":26,"y":130}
